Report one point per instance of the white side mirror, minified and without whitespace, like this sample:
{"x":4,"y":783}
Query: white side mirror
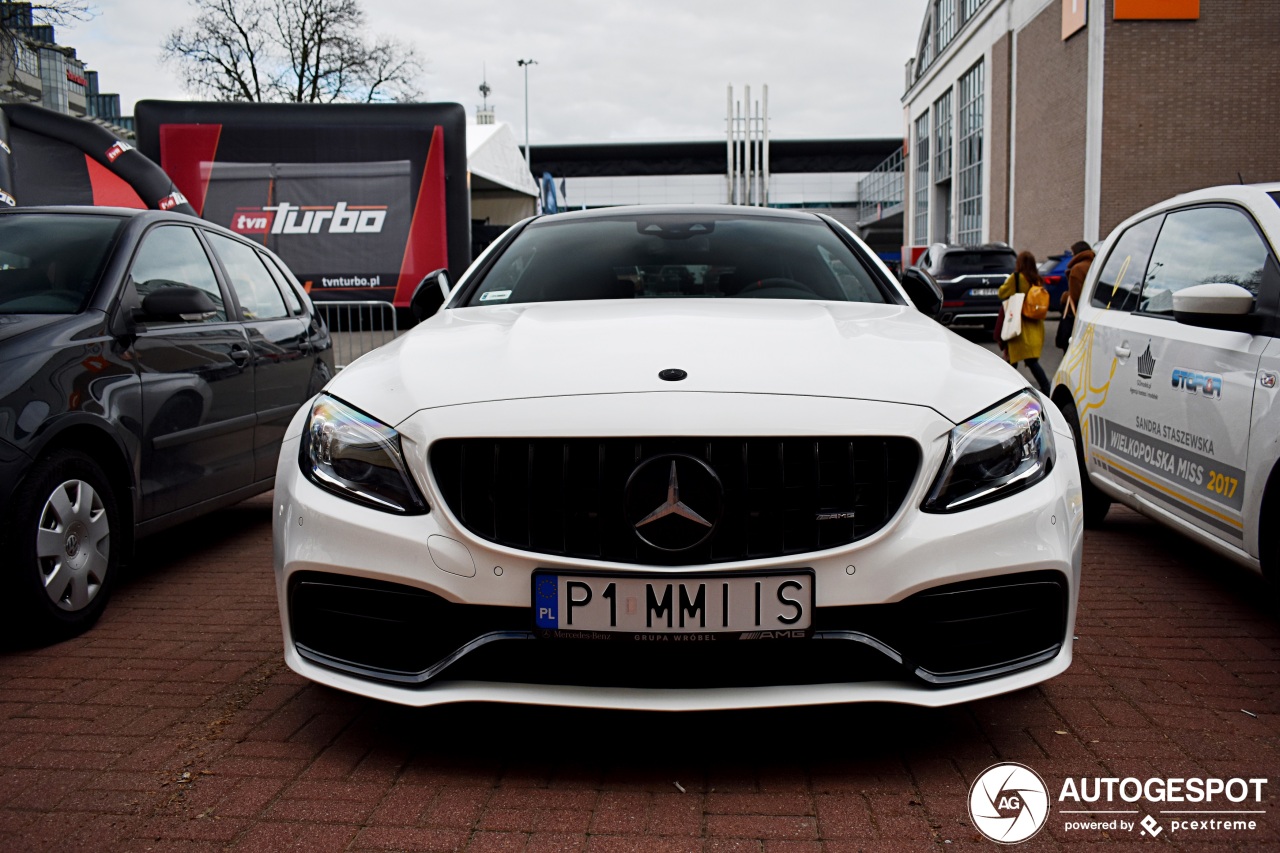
{"x":1219,"y":298}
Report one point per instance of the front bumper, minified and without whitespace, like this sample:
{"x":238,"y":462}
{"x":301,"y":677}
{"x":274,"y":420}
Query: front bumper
{"x":931,"y":610}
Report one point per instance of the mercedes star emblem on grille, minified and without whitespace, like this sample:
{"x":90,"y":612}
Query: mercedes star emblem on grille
{"x":673,"y":524}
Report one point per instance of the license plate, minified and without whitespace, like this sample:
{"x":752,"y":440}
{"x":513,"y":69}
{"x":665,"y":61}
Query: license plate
{"x":682,"y":607}
{"x":984,"y":291}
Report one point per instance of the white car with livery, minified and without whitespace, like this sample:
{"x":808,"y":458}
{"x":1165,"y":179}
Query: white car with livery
{"x":1170,"y":379}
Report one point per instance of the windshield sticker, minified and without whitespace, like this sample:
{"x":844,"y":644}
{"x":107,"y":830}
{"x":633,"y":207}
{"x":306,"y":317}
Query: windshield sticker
{"x":495,"y":296}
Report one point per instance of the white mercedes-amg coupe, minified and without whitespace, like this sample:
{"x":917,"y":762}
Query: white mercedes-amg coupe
{"x":679,"y":458}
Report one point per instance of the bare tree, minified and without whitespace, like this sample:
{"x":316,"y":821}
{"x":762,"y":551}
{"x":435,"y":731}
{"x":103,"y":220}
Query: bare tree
{"x":224,"y":52}
{"x":302,"y":51}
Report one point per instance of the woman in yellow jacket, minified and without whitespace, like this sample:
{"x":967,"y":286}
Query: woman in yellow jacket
{"x":1027,"y":346}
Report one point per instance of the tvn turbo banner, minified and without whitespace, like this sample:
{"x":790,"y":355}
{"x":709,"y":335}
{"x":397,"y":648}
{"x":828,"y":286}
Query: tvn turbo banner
{"x":360,"y":200}
{"x":345,"y":224}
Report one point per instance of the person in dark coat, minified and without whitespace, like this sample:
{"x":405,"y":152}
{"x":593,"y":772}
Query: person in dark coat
{"x":1077,"y":269}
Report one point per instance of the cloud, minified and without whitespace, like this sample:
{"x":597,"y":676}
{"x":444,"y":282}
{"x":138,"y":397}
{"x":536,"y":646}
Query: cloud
{"x":607,"y":69}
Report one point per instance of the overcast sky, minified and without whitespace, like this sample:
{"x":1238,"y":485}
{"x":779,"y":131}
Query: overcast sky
{"x":608,"y":70}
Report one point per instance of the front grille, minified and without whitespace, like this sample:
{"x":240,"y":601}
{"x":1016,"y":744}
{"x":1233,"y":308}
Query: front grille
{"x":782,"y":496}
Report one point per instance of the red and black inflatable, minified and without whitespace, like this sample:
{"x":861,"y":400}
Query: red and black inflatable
{"x":360,"y":200}
{"x":50,"y":158}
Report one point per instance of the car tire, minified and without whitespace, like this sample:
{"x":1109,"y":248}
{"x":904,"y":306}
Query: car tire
{"x":1096,"y":504}
{"x":1269,"y":544}
{"x":64,"y":541}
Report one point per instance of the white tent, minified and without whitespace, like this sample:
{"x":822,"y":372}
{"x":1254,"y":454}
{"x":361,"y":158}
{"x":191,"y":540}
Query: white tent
{"x":502,"y":190}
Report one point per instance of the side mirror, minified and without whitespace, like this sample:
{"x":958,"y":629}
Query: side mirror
{"x":178,"y":302}
{"x":432,"y":293}
{"x":1218,"y":305}
{"x":923,"y":291}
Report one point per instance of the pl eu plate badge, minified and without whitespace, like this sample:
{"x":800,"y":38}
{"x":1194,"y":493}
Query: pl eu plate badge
{"x":545,"y":602}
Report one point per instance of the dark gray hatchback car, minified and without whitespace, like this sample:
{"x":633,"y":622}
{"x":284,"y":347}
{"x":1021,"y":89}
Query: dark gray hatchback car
{"x":149,"y":364}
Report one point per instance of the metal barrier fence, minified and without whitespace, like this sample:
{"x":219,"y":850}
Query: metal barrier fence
{"x":358,"y":327}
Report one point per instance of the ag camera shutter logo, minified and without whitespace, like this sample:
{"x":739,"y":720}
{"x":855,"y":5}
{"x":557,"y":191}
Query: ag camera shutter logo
{"x":1009,"y":803}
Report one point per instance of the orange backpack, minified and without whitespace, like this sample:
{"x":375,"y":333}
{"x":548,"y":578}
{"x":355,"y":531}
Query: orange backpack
{"x":1036,"y":305}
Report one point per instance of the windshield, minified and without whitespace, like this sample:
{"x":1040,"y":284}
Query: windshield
{"x":977,"y":263}
{"x":677,"y":256}
{"x":50,"y":263}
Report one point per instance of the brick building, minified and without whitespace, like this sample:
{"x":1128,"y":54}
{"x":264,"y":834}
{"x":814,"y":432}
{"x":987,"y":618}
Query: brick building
{"x":1039,"y":122}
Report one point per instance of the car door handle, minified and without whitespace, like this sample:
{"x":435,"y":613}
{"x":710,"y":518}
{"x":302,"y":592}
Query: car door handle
{"x":1123,"y":350}
{"x":240,"y":355}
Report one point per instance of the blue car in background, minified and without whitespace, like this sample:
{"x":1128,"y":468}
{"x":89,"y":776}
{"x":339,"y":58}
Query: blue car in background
{"x":1053,"y":270}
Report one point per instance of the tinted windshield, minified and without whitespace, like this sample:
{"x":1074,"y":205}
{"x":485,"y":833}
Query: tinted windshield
{"x":50,"y":263}
{"x":647,"y":256}
{"x":977,"y":263}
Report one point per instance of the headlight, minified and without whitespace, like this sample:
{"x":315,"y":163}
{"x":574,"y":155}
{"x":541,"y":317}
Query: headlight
{"x":992,"y":455}
{"x":352,"y":455}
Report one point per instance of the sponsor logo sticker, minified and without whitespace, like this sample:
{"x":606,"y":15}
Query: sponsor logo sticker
{"x":172,"y":200}
{"x":495,"y":296}
{"x":1146,"y":363}
{"x":1201,"y":384}
{"x":116,"y":150}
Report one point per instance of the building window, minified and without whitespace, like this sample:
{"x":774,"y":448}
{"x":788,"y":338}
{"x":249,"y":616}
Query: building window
{"x":26,"y":60}
{"x":942,"y":138}
{"x":946,"y":23}
{"x":53,"y":79}
{"x":921,"y":186}
{"x":969,"y":158}
{"x":969,"y":8}
{"x":924,"y":56}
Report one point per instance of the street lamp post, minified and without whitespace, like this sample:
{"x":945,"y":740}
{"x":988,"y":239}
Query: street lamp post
{"x":525,"y":63}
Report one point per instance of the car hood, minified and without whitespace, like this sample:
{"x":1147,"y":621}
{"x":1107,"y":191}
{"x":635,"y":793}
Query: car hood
{"x":14,"y":326}
{"x":770,"y":347}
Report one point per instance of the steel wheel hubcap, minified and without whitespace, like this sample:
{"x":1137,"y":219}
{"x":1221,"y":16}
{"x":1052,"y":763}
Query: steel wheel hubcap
{"x":73,"y":545}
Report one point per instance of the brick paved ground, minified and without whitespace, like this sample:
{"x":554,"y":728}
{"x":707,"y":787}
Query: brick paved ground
{"x":174,"y":725}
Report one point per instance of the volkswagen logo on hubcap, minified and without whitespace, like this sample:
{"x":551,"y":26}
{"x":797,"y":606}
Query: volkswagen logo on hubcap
{"x":674,"y":501}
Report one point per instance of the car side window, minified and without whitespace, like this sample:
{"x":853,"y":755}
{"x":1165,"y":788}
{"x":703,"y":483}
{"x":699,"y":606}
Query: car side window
{"x":1121,"y":279}
{"x":1201,"y":246}
{"x":290,"y":295}
{"x":256,"y":290}
{"x":289,"y":282}
{"x":172,"y":255}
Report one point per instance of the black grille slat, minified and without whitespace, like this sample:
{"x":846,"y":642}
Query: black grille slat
{"x":564,"y":497}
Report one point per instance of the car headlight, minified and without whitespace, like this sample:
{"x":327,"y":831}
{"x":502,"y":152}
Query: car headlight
{"x":992,"y":455}
{"x":357,"y":457}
